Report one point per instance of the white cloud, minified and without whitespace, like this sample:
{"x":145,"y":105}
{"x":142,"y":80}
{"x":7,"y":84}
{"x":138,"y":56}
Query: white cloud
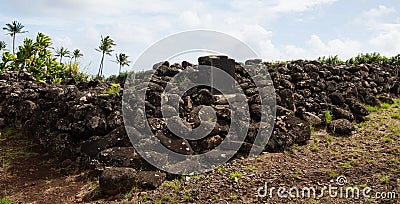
{"x":386,"y":39}
{"x":384,"y":29}
{"x":190,"y":18}
{"x":298,"y":5}
{"x":380,"y":11}
{"x":315,"y":48}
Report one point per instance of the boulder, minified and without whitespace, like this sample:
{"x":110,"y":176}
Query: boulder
{"x":117,"y":180}
{"x":150,"y":179}
{"x":341,"y":127}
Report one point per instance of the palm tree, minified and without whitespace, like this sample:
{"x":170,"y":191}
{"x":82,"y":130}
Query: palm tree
{"x":14,"y":28}
{"x":122,"y":60}
{"x":62,"y":52}
{"x":76,"y":54}
{"x":3,"y":45}
{"x":105,"y":48}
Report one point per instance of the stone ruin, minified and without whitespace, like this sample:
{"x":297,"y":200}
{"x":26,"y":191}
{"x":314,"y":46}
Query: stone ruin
{"x":83,"y":123}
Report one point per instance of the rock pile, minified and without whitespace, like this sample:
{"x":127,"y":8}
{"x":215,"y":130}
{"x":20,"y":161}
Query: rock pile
{"x":85,"y":120}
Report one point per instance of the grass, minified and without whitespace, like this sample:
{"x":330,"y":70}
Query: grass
{"x":252,"y":168}
{"x":328,"y":139}
{"x":314,"y":146}
{"x":388,"y":140}
{"x":5,"y":200}
{"x":333,"y":174}
{"x":372,"y":108}
{"x":26,"y":154}
{"x":166,"y":198}
{"x":233,"y":196}
{"x":236,"y":175}
{"x":287,"y":152}
{"x":128,"y":195}
{"x":383,"y":106}
{"x":173,"y":184}
{"x":9,"y":132}
{"x":220,"y":169}
{"x":328,"y":116}
{"x":345,"y":165}
{"x":97,"y":191}
{"x":396,"y":115}
{"x":296,"y":174}
{"x":186,"y":197}
{"x":144,"y":198}
{"x":385,"y":179}
{"x":312,"y":128}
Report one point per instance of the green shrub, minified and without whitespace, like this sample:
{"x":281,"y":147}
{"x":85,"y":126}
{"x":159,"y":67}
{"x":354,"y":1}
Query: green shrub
{"x":115,"y":88}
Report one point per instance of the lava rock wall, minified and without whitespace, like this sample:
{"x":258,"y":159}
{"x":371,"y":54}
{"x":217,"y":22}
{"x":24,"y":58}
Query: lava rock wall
{"x":85,"y":119}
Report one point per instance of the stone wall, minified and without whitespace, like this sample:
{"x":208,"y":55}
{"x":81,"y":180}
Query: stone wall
{"x":85,"y":120}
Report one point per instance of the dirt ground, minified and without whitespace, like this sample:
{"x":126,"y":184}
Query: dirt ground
{"x":369,"y":161}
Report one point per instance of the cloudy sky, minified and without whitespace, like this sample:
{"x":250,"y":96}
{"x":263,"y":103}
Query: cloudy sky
{"x":275,"y":29}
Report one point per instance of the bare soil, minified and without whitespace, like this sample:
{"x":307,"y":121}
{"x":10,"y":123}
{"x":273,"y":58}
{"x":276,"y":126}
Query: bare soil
{"x":370,"y":158}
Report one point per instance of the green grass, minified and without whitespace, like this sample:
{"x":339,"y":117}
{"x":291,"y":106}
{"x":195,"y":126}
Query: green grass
{"x":5,"y":163}
{"x":236,"y":175}
{"x":287,"y":152}
{"x":220,"y":169}
{"x":396,"y":115}
{"x":372,"y":108}
{"x":328,"y":116}
{"x":345,"y":165}
{"x":196,"y":176}
{"x":333,"y":174}
{"x":383,"y":106}
{"x":128,"y":195}
{"x":26,"y":154}
{"x":9,"y":132}
{"x":394,"y":128}
{"x":5,"y":200}
{"x":296,"y":174}
{"x":233,"y":196}
{"x":385,"y":179}
{"x":388,"y":140}
{"x":186,"y":197}
{"x":144,"y":198}
{"x":173,"y":184}
{"x":252,"y":168}
{"x":314,"y":147}
{"x":328,"y":139}
{"x":97,"y":191}
{"x":312,"y":128}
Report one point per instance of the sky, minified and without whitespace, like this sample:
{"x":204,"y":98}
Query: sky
{"x":275,"y":29}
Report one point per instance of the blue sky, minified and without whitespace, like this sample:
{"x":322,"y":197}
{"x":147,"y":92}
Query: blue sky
{"x":275,"y":29}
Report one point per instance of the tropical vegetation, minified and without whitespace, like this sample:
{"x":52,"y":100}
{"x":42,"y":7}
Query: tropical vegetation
{"x":45,"y":63}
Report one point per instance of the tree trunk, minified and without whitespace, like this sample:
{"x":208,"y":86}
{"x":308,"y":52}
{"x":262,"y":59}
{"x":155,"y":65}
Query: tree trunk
{"x":14,"y":44}
{"x":120,"y":66}
{"x":101,"y":66}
